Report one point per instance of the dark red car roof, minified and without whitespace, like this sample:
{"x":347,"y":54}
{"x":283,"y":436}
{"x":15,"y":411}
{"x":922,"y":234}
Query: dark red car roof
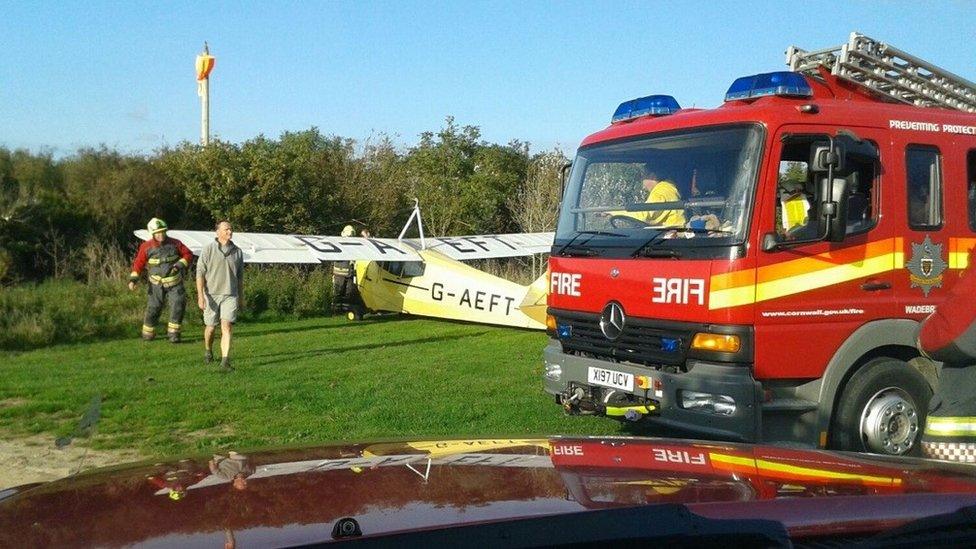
{"x":297,"y":496}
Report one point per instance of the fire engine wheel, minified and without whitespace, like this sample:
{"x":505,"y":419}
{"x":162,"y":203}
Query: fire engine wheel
{"x":882,"y":409}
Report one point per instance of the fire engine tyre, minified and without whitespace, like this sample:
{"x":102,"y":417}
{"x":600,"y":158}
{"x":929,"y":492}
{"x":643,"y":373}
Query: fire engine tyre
{"x":882,"y":409}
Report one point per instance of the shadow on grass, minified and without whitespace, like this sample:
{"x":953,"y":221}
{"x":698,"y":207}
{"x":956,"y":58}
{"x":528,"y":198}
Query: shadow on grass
{"x":275,"y":358}
{"x":271,"y":331}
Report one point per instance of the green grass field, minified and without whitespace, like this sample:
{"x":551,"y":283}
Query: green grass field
{"x":297,"y":382}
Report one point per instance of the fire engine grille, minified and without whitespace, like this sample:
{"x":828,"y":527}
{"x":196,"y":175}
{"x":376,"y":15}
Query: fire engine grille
{"x":642,"y":341}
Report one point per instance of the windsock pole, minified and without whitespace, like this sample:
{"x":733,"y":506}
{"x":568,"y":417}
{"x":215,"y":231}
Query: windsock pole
{"x":205,"y":64}
{"x":205,"y":112}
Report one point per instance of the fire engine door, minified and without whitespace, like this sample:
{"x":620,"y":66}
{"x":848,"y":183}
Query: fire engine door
{"x":811,"y":296}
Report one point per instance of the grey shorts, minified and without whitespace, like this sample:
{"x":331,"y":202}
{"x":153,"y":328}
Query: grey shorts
{"x":220,"y":307}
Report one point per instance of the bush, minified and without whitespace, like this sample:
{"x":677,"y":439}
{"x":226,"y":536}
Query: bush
{"x":65,"y":311}
{"x":314,"y":296}
{"x":68,"y":311}
{"x":287,"y":291}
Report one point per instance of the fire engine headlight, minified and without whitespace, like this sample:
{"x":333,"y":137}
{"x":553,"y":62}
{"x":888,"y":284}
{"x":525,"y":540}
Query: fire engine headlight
{"x":722,"y":405}
{"x":720,"y":343}
{"x":553,"y":371}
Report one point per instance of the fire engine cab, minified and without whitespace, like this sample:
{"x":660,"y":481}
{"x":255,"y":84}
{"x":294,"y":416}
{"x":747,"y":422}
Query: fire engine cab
{"x":758,"y":271}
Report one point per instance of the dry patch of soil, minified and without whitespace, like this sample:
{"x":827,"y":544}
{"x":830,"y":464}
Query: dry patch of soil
{"x":35,"y":459}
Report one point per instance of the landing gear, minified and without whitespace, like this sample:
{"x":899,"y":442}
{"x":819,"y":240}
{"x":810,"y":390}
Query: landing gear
{"x":355,"y":313}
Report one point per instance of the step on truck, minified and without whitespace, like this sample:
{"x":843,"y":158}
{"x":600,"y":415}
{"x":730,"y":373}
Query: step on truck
{"x":758,"y":271}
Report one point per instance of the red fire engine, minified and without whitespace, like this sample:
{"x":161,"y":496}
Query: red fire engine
{"x":757,"y":271}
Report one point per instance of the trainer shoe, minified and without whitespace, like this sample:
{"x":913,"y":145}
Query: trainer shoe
{"x":174,"y":337}
{"x":225,"y":365}
{"x":207,"y":356}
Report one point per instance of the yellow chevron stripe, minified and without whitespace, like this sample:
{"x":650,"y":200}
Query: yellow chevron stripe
{"x":958,"y":260}
{"x":721,"y":299}
{"x":822,"y":473}
{"x":789,"y":285}
{"x":800,"y":275}
{"x":733,"y":460}
{"x":826,"y":277}
{"x":793,"y":470}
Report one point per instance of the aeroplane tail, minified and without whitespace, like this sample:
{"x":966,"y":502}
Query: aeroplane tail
{"x":534,"y":302}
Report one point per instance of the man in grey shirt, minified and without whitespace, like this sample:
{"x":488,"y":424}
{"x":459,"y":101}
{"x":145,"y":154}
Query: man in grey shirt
{"x":220,"y":291}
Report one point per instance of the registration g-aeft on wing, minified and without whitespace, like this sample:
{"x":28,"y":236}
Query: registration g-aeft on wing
{"x":757,"y":271}
{"x":420,"y":276}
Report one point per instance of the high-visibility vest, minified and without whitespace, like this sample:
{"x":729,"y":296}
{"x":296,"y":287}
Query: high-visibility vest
{"x":160,"y":262}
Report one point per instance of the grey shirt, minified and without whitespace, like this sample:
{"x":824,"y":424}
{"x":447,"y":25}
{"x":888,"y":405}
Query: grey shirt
{"x":222,"y":268}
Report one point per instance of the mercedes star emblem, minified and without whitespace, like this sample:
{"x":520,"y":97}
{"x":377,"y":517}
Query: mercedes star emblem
{"x":612,"y":320}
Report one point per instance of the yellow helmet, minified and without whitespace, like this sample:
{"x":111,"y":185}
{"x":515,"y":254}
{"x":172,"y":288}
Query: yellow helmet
{"x":348,"y":230}
{"x":156,"y":225}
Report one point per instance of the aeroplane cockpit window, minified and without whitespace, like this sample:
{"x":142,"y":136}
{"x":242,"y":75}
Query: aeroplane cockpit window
{"x":403,"y":269}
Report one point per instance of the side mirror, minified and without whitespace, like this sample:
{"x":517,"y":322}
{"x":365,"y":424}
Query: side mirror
{"x":563,"y":174}
{"x":833,"y":208}
{"x":770,"y":242}
{"x":822,"y":159}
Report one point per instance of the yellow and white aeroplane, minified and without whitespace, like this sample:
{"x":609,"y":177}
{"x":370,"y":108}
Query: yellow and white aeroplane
{"x":419,"y":276}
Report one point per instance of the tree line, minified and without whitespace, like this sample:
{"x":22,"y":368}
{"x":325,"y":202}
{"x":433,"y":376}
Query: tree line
{"x":73,"y":217}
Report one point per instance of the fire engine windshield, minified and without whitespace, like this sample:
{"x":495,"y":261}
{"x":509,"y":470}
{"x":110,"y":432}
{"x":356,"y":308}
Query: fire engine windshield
{"x":666,"y":193}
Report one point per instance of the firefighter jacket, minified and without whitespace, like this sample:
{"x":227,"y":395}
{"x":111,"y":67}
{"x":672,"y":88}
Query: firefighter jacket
{"x":949,"y":334}
{"x":663,"y":191}
{"x":342,"y":268}
{"x":165,"y":262}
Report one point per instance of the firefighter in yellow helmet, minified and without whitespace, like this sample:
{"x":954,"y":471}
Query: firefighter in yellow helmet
{"x":165,"y":261}
{"x":342,"y":278}
{"x":659,"y":189}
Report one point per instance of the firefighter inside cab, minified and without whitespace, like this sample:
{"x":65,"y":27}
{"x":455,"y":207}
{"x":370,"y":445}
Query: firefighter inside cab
{"x":659,"y":190}
{"x":165,"y":261}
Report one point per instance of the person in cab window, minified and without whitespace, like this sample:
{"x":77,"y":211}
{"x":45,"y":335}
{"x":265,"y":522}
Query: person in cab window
{"x":659,"y":189}
{"x":794,"y":219}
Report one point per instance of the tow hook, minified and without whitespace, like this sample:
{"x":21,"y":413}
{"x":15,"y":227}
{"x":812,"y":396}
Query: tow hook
{"x":570,"y":400}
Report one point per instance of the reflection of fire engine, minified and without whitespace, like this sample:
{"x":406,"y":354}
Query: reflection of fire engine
{"x":610,"y":473}
{"x":812,"y":221}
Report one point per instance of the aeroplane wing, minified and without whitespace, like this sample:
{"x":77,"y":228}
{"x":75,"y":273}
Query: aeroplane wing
{"x":280,"y":248}
{"x":488,"y":246}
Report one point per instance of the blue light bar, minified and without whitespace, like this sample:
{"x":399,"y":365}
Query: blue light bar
{"x":652,"y":105}
{"x":782,"y":83}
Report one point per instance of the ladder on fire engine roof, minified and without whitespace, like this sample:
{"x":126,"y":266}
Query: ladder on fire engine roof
{"x":888,"y":72}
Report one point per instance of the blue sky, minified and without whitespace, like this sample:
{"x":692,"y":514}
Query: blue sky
{"x":121,"y":73}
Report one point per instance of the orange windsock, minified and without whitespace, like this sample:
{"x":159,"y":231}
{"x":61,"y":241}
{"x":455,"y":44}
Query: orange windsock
{"x":205,"y":64}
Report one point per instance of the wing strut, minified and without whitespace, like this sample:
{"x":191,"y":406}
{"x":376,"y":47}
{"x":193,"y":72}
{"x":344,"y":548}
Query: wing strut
{"x":420,"y":224}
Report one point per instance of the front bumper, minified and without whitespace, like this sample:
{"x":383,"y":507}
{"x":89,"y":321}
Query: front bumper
{"x":564,"y":373}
